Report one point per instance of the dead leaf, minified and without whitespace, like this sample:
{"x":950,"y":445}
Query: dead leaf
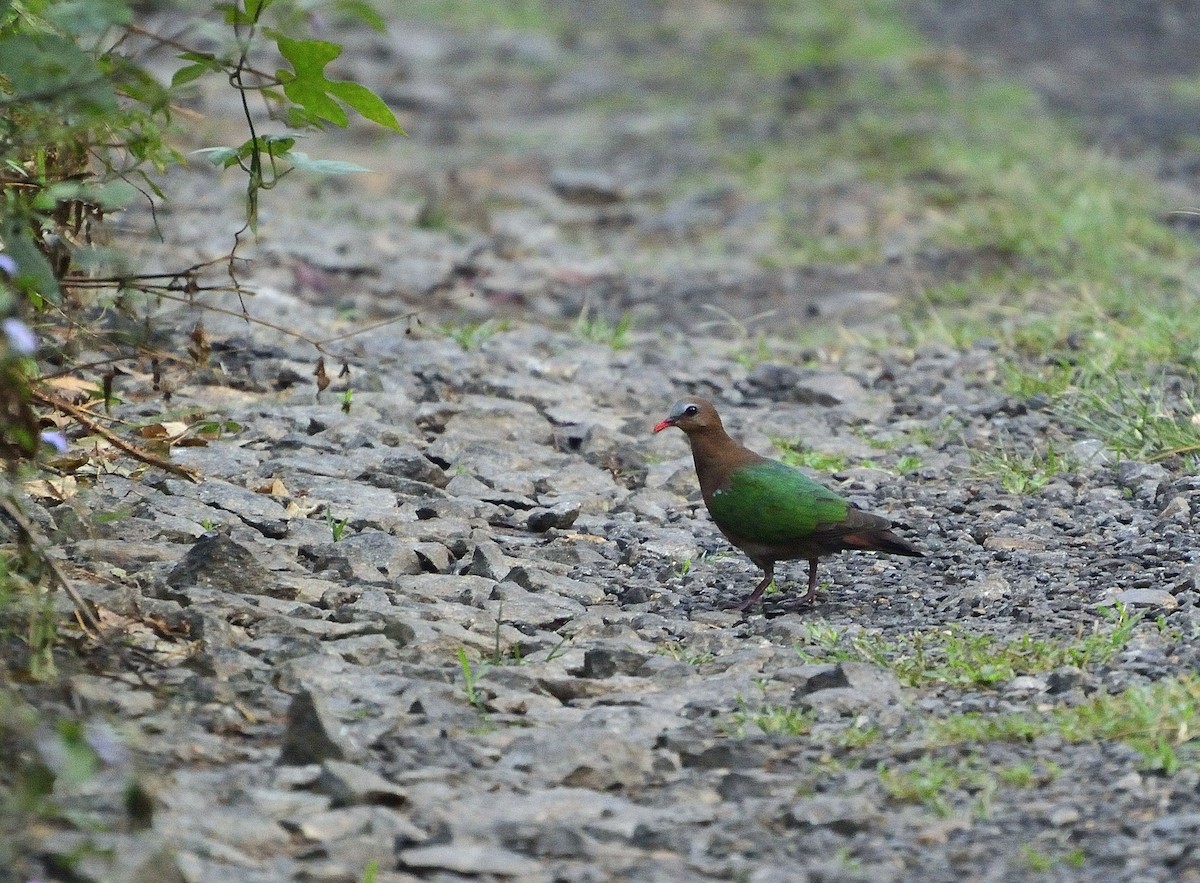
{"x":67,"y":383}
{"x":274,"y":488}
{"x":71,"y":462}
{"x":52,"y":488}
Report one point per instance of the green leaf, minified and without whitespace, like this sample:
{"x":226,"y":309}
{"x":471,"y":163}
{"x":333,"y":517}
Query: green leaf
{"x":364,"y":12}
{"x":108,"y":196}
{"x":77,"y":17}
{"x":275,"y":145}
{"x":367,"y":103}
{"x":34,"y":274}
{"x":306,"y":85}
{"x":322,"y":166}
{"x":218,"y":156}
{"x":190,"y":72}
{"x":49,"y":68}
{"x":255,"y":8}
{"x":233,"y":14}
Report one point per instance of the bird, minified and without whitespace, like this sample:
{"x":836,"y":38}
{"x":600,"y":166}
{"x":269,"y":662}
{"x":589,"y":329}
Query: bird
{"x":772,"y":511}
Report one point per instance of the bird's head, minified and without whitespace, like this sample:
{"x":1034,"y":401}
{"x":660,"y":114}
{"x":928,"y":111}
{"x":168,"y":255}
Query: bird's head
{"x":691,"y":415}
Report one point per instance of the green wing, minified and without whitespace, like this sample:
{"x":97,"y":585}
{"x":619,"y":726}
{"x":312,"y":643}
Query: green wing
{"x":775,"y":503}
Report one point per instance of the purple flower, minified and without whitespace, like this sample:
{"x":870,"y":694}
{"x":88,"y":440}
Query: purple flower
{"x":21,"y":340}
{"x":8,"y":266}
{"x":54,"y":439}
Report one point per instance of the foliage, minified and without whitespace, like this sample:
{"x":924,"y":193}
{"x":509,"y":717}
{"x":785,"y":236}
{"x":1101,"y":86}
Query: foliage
{"x":597,"y":329}
{"x":87,"y":128}
{"x":796,"y":453}
{"x":1021,"y":473}
{"x":956,"y":656}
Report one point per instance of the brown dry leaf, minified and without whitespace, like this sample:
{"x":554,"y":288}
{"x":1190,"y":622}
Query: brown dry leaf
{"x":150,"y":634}
{"x":171,"y":430}
{"x":69,"y":384}
{"x":274,"y":488}
{"x":71,"y":462}
{"x":585,"y":537}
{"x":52,"y":488}
{"x":201,"y":346}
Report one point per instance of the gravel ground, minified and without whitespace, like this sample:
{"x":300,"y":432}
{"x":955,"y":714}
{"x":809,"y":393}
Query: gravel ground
{"x":470,"y":626}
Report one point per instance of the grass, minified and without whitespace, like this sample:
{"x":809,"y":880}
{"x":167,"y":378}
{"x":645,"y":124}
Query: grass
{"x":596,"y":329}
{"x":1042,"y":862}
{"x":1022,"y":472}
{"x":337,"y":529}
{"x":956,"y":656}
{"x":795,"y":453}
{"x":472,"y":335}
{"x":772,"y":719}
{"x":1159,"y":721}
{"x":927,"y":781}
{"x":680,"y":653}
{"x":470,"y":681}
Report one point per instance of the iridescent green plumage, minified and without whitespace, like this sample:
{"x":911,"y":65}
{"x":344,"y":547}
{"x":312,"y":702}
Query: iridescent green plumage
{"x":775,"y":503}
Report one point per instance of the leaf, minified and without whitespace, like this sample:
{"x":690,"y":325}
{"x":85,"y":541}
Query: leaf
{"x":34,"y":274}
{"x":274,"y":488}
{"x":108,"y":196}
{"x":77,"y":17}
{"x":169,"y":430}
{"x":47,"y":68}
{"x":67,"y":383}
{"x":190,"y":72}
{"x":218,"y":156}
{"x":276,"y":145}
{"x":364,"y":12}
{"x":255,"y":8}
{"x":59,"y":489}
{"x":307,"y":86}
{"x":322,"y":166}
{"x":367,"y":103}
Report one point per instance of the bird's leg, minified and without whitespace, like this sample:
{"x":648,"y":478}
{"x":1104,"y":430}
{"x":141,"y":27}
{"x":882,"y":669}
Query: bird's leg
{"x":811,"y":595}
{"x":768,"y":578}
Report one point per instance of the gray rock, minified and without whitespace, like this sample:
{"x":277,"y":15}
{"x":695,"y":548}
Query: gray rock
{"x":348,"y":784}
{"x":433,"y":557}
{"x":586,"y":186}
{"x":844,"y":815}
{"x":560,"y":515}
{"x":604,"y":662}
{"x":591,"y":759}
{"x":1160,"y":598}
{"x":409,"y":463}
{"x":487,"y":560}
{"x":537,"y":580}
{"x":468,"y":858}
{"x":349,"y":821}
{"x":311,"y":733}
{"x":367,"y":557}
{"x":1091,"y":452}
{"x":541,"y":610}
{"x":218,"y":562}
{"x":848,"y":687}
{"x":1146,"y":480}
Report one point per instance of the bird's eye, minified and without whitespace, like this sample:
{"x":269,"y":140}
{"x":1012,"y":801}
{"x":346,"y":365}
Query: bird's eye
{"x":691,"y":411}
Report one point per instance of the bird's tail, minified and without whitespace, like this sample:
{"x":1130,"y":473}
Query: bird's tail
{"x":882,"y":541}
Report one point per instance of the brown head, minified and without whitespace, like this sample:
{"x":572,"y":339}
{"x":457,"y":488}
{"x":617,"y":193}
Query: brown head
{"x":693,"y":415}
